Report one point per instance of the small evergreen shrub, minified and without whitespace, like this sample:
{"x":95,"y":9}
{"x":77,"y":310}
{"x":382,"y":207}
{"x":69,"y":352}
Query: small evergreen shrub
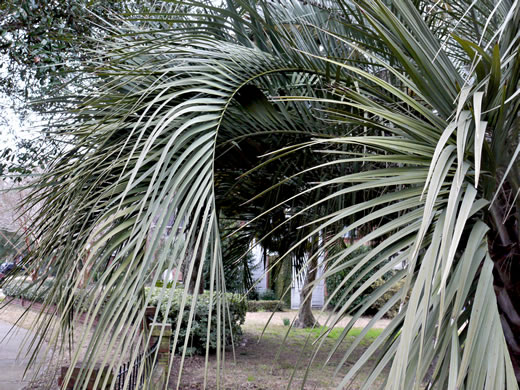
{"x":394,"y":310}
{"x":253,"y":306}
{"x":34,"y":292}
{"x":160,"y":283}
{"x":253,"y":295}
{"x":38,"y":292}
{"x":198,"y":337}
{"x":267,"y":295}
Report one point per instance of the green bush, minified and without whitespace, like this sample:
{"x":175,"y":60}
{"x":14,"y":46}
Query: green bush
{"x":160,"y":283}
{"x":267,"y":295}
{"x":394,"y":310}
{"x":253,"y":306}
{"x":38,"y":292}
{"x":198,"y":335}
{"x":28,"y":290}
{"x":333,"y":281}
{"x":253,"y":295}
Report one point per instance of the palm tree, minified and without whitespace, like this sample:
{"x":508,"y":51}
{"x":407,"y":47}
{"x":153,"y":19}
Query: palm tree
{"x":413,"y":108}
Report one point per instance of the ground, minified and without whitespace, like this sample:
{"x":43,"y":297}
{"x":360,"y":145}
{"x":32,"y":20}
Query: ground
{"x":257,"y":364}
{"x":258,"y":367}
{"x":11,"y":370}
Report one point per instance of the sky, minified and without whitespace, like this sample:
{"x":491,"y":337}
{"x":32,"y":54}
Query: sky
{"x":12,"y":125}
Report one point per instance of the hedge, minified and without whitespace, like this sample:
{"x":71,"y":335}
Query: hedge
{"x":28,"y":290}
{"x":394,"y":310}
{"x":198,"y":335}
{"x":37,"y":293}
{"x":267,"y":295}
{"x":253,"y":306}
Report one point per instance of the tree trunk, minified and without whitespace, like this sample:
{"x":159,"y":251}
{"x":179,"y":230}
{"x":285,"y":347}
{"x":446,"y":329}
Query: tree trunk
{"x":305,"y":317}
{"x":508,"y":299}
{"x":504,"y":249}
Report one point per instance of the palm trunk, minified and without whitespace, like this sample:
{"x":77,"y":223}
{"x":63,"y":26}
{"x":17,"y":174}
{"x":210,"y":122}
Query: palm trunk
{"x":507,"y":290}
{"x":504,"y":249}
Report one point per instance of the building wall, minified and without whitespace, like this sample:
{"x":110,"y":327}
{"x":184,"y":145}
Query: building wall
{"x":258,"y":271}
{"x":261,"y":278}
{"x":318,"y":294}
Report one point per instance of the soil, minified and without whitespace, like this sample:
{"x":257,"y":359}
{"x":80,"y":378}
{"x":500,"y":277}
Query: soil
{"x":257,"y":365}
{"x":324,"y":318}
{"x":260,"y":361}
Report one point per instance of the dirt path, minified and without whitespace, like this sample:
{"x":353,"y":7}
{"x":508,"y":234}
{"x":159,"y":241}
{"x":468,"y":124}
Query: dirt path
{"x":325,"y":318}
{"x":14,"y":356}
{"x":13,"y":312}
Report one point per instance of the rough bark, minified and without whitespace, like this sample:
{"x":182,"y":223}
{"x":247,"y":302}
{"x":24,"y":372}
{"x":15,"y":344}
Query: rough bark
{"x":305,"y":317}
{"x":504,"y":249}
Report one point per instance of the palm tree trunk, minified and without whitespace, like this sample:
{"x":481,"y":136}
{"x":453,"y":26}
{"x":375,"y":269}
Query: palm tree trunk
{"x":504,"y":248}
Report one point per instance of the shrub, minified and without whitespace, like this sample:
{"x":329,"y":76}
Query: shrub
{"x":38,"y":292}
{"x":253,"y":306}
{"x":160,"y":283}
{"x":34,"y":292}
{"x":335,"y":280}
{"x":268,"y":295}
{"x":198,"y":335}
{"x":394,"y":310}
{"x":253,"y":295}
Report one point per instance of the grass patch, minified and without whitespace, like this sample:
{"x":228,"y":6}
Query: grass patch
{"x":335,"y":333}
{"x":299,"y":336}
{"x":371,"y":335}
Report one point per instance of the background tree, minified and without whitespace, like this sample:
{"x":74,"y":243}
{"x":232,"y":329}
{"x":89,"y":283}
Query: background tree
{"x":43,"y":44}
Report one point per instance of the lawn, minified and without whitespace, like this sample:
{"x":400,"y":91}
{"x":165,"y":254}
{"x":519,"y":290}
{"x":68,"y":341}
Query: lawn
{"x":264,"y":361}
